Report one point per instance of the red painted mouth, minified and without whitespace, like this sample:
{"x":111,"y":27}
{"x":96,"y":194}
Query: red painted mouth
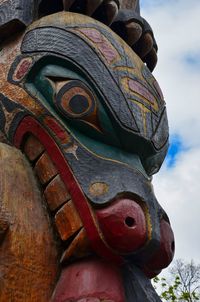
{"x":31,"y":126}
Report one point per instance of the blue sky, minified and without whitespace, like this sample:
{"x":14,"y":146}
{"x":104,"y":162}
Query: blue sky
{"x":145,"y":4}
{"x":175,"y":148}
{"x":193,"y":60}
{"x":175,"y":24}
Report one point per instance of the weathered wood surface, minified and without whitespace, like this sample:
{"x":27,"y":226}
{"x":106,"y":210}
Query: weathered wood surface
{"x":68,"y":221}
{"x":129,"y":4}
{"x":56,"y":194}
{"x":13,"y":16}
{"x":33,"y":148}
{"x":45,"y":169}
{"x":99,"y":201}
{"x":28,"y":249}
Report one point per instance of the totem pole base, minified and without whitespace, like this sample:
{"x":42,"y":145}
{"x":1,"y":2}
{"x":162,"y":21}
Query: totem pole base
{"x":91,"y":280}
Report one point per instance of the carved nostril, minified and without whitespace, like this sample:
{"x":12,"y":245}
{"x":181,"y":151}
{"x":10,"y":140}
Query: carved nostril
{"x":130,"y":222}
{"x":123,"y":225}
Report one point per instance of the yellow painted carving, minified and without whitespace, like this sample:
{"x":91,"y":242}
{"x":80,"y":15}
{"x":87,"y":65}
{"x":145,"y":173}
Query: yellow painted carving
{"x":98,"y":189}
{"x":125,"y":69}
{"x":144,"y":112}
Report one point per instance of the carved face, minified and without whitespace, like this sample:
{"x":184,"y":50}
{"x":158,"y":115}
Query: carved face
{"x":100,"y":115}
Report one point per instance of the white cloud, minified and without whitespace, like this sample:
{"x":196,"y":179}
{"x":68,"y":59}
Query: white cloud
{"x":177,"y":189}
{"x":176,"y":25}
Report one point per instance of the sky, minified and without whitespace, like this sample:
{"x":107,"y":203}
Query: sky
{"x":176,"y":26}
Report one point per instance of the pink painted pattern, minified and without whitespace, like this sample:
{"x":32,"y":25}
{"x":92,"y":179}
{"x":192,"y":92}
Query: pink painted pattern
{"x":140,"y":89}
{"x":103,"y":45}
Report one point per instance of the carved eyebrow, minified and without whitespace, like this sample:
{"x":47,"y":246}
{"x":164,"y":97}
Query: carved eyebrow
{"x":65,"y":43}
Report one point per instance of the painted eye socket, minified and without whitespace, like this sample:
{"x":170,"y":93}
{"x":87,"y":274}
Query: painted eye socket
{"x":75,"y":101}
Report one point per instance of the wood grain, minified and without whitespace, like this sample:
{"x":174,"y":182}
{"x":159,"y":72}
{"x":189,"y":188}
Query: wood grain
{"x":129,"y":4}
{"x":28,"y":253}
{"x":68,"y":221}
{"x":33,"y":148}
{"x":14,"y":16}
{"x":56,"y":193}
{"x":45,"y":169}
{"x":79,"y":247}
{"x":4,"y":222}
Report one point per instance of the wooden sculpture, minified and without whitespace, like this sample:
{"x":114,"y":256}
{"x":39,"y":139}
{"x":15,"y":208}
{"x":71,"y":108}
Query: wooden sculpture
{"x":83,"y":128}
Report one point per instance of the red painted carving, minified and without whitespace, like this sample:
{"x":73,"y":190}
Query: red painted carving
{"x":55,"y":127}
{"x":164,"y":255}
{"x":22,"y":68}
{"x":90,"y":280}
{"x":123,"y":225}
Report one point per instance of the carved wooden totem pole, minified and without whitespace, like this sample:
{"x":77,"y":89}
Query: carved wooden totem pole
{"x":83,"y":128}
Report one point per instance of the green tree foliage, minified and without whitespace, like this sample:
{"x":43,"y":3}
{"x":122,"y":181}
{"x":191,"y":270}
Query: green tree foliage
{"x":183,"y":284}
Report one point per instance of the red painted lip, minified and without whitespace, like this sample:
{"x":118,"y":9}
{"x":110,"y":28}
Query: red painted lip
{"x":94,"y":280}
{"x":32,"y":126}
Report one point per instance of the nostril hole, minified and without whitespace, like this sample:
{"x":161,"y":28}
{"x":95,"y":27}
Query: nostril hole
{"x":130,"y":221}
{"x":173,"y":246}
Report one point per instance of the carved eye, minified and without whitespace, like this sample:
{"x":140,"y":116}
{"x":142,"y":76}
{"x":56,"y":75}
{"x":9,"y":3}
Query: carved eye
{"x":75,"y":101}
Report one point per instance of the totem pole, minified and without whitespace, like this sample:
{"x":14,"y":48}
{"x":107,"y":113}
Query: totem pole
{"x":83,"y":127}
